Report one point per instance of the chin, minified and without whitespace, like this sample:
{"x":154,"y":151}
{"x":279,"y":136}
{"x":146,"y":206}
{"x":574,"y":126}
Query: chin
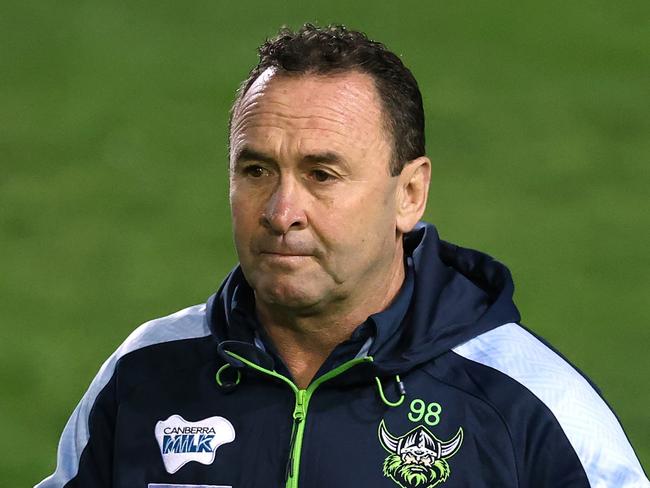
{"x":288,"y":295}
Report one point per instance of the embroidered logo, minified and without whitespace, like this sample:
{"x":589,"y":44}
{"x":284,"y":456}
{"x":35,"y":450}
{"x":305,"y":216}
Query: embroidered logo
{"x":181,"y":441}
{"x":418,"y":459}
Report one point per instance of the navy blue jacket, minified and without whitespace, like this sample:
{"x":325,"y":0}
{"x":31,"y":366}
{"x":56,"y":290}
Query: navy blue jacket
{"x":443,"y":389}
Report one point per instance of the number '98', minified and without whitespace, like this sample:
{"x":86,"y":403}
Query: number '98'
{"x":429,"y":412}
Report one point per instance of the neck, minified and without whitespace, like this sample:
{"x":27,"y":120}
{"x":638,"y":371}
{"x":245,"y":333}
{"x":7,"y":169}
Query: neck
{"x":305,"y":340}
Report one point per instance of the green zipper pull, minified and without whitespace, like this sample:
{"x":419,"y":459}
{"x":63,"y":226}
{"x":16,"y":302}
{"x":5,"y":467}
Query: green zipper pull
{"x":299,"y":411}
{"x":298,"y":416}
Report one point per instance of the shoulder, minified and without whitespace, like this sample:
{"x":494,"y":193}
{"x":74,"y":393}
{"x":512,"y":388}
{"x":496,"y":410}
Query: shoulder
{"x":513,"y":351}
{"x":588,"y":423}
{"x":189,"y":323}
{"x":159,"y":347}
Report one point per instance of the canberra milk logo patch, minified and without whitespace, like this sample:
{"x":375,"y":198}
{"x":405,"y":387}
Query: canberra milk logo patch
{"x":181,"y":441}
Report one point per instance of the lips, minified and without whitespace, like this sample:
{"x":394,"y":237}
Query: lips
{"x":284,"y":253}
{"x":285,"y":257}
{"x":284,"y":249}
{"x":283,"y":261}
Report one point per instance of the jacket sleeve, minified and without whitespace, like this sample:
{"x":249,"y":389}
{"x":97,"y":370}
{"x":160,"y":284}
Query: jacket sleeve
{"x":554,"y":453}
{"x":563,"y":431}
{"x":84,"y":456}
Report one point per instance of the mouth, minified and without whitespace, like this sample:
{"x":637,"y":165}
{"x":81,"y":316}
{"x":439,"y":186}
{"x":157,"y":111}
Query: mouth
{"x":284,"y":259}
{"x":284,"y":254}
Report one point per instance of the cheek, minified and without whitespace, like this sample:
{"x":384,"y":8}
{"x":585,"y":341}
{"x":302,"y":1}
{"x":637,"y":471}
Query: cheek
{"x":355,"y":209}
{"x":240,"y":214}
{"x":356,"y":233}
{"x":244,"y":220}
{"x":243,"y":207}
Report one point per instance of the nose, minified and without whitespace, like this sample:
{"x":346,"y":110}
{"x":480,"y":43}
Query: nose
{"x":284,"y":210}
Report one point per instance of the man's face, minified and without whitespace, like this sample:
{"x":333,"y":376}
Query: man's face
{"x":313,"y":203}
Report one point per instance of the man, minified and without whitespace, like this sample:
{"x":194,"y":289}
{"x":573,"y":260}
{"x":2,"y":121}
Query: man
{"x":351,"y":347}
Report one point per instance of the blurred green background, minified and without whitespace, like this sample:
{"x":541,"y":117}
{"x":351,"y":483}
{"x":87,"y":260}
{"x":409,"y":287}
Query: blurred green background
{"x":113,"y":203}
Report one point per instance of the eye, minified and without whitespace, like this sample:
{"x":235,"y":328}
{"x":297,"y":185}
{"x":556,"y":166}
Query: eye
{"x":321,"y":176}
{"x":255,"y":171}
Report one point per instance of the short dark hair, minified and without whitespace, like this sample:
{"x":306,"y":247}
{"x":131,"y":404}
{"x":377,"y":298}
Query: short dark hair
{"x":335,"y":49}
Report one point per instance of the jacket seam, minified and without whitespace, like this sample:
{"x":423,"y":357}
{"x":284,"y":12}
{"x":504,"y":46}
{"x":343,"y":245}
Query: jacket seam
{"x":546,"y":407}
{"x":109,"y":388}
{"x":491,"y":406}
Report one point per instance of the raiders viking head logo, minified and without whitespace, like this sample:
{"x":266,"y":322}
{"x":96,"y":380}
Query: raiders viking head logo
{"x":418,"y":459}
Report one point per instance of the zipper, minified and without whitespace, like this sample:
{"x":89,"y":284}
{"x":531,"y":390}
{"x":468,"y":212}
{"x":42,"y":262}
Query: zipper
{"x":300,"y":410}
{"x":298,"y":416}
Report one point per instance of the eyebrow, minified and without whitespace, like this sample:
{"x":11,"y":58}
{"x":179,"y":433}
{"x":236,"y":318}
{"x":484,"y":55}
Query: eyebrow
{"x":250,"y":154}
{"x":324,"y":157}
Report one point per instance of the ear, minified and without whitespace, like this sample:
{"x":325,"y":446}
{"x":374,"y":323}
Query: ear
{"x":412,"y":193}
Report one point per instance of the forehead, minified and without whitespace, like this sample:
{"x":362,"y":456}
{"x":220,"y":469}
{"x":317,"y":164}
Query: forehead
{"x":342,"y":109}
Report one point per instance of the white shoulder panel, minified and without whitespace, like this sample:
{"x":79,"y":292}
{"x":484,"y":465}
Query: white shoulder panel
{"x":186,"y":324}
{"x":591,"y":427}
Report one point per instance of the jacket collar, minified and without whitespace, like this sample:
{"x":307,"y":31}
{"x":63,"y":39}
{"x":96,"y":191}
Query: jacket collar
{"x":449,"y":296}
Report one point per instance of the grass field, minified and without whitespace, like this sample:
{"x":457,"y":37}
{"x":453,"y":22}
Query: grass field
{"x":113,"y":205}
